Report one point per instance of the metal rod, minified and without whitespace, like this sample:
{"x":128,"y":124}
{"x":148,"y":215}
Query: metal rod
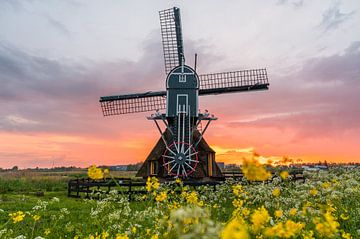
{"x":178,"y":171}
{"x":184,"y":170}
{"x":166,"y":156}
{"x":178,"y":131}
{"x":167,"y":126}
{"x":195,"y":62}
{"x":171,"y":132}
{"x":193,"y":154}
{"x":183,"y":133}
{"x":168,"y":162}
{"x":189,"y":130}
{"x":162,"y":136}
{"x":189,"y":166}
{"x":201,"y":135}
{"x":173,"y":167}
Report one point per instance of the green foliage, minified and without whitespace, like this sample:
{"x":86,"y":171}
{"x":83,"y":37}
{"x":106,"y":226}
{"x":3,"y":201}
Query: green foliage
{"x":330,"y":198}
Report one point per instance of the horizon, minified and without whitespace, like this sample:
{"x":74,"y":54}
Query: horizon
{"x":62,"y":56}
{"x":229,"y":164}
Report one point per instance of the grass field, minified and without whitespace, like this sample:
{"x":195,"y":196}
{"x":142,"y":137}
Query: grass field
{"x":327,"y":205}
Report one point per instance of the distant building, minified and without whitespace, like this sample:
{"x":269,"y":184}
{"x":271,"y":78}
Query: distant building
{"x":118,"y":168}
{"x":309,"y":168}
{"x":322,"y":167}
{"x":231,"y":166}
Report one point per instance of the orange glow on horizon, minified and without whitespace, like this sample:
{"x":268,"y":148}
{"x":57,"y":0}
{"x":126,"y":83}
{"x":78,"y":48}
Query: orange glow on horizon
{"x":55,"y":150}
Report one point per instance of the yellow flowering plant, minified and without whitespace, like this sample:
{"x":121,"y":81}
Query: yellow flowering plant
{"x":95,"y":173}
{"x":254,"y":171}
{"x":17,"y":216}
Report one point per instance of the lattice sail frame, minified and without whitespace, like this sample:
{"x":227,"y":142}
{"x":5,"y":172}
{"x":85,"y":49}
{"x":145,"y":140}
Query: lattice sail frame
{"x":234,"y":81}
{"x":171,"y":33}
{"x":216,"y":83}
{"x":134,"y":103}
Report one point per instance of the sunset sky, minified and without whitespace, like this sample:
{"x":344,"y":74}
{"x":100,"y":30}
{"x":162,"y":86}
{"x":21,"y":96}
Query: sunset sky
{"x":58,"y":57}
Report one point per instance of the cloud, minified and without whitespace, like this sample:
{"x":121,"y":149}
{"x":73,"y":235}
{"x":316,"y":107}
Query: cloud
{"x":294,"y":3}
{"x":319,"y":100}
{"x":60,"y":27}
{"x":333,"y":18}
{"x":12,"y":4}
{"x":62,"y":96}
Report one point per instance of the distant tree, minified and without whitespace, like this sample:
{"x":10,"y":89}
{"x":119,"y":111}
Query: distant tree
{"x":15,"y":168}
{"x":134,"y":167}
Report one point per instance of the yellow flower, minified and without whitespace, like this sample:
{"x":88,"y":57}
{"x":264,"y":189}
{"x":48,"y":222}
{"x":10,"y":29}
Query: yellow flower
{"x":278,"y":213}
{"x":155,"y":236}
{"x":292,"y":228}
{"x":344,"y":217}
{"x":346,"y":235}
{"x":178,"y":181}
{"x":98,"y":236}
{"x":192,"y":197}
{"x":173,"y":205}
{"x":326,"y":185}
{"x":237,"y":189}
{"x":289,"y":229}
{"x":259,"y":218}
{"x":188,"y":220}
{"x":95,"y":173}
{"x":245,"y":212}
{"x":313,"y":192}
{"x":152,"y":184}
{"x":36,"y":218}
{"x":292,"y":211}
{"x":236,"y":228}
{"x":122,"y":236}
{"x":308,"y":235}
{"x":275,"y":231}
{"x":161,"y":197}
{"x":328,"y":226}
{"x":47,"y":231}
{"x":133,"y":230}
{"x":276,"y":192}
{"x":254,"y":171}
{"x":104,"y":235}
{"x":106,"y":171}
{"x":17,"y":216}
{"x":330,"y":208}
{"x":284,"y":174}
{"x":238,"y":203}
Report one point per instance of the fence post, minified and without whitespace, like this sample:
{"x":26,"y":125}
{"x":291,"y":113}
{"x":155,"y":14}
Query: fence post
{"x":130,"y":192}
{"x":77,"y":188}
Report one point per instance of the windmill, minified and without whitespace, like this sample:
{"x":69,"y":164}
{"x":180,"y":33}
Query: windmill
{"x":182,"y":150}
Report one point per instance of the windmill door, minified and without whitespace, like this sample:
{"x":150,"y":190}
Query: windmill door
{"x":182,"y":103}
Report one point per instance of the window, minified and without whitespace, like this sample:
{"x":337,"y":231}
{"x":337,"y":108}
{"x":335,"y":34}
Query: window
{"x":153,"y":167}
{"x":182,"y":78}
{"x":210,"y":165}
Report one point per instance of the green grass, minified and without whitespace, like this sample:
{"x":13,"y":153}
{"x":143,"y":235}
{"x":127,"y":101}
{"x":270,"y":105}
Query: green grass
{"x":115,"y":215}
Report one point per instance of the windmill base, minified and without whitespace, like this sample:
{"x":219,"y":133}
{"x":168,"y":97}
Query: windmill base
{"x":206,"y":170}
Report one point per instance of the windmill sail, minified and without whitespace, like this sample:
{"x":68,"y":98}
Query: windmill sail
{"x":228,"y":82}
{"x":172,"y":40}
{"x":133,"y":103}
